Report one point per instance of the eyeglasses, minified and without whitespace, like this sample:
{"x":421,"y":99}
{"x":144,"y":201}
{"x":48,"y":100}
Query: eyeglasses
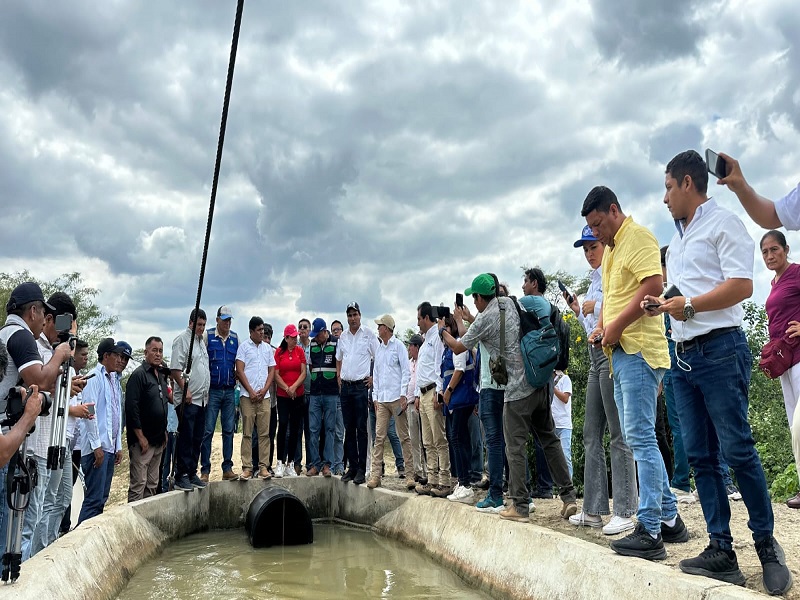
{"x":337,"y":330}
{"x":303,"y":327}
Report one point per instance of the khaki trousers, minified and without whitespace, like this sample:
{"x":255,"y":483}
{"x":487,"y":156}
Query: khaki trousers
{"x":384,"y":412}
{"x":255,"y":413}
{"x":415,"y":433}
{"x":144,"y":468}
{"x":434,"y":439}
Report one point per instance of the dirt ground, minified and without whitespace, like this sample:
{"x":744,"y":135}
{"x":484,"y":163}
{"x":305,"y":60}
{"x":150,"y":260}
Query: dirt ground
{"x":787,"y":521}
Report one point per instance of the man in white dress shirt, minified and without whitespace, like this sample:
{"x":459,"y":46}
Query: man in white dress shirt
{"x":390,"y":382}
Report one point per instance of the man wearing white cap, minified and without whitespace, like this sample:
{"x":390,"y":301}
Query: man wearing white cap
{"x":390,"y":382}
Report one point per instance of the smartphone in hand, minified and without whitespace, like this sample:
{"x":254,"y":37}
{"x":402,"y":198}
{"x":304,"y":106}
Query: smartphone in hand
{"x":564,"y":289}
{"x":460,"y":300}
{"x":716,"y":164}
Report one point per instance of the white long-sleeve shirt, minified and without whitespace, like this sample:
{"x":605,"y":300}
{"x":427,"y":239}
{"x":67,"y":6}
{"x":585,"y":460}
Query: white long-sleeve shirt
{"x":429,"y":363}
{"x":391,"y":373}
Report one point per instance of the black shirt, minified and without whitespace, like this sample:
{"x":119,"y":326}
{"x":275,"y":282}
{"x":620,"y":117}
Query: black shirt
{"x":146,"y":405}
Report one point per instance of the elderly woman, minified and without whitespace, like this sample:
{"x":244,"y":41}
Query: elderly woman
{"x":783,"y":311}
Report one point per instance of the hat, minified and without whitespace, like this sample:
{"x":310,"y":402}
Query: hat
{"x":27,"y":292}
{"x":318,"y":327}
{"x":482,"y":285}
{"x":107,"y":345}
{"x":385,"y":320}
{"x":416,"y":340}
{"x":354,"y":305}
{"x":124,"y":348}
{"x":290,"y":330}
{"x":224,"y":313}
{"x":586,"y":236}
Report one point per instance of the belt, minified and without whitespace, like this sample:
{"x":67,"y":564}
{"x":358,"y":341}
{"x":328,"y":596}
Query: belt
{"x":353,"y":381}
{"x":698,"y":341}
{"x":222,"y":387}
{"x":427,"y":388}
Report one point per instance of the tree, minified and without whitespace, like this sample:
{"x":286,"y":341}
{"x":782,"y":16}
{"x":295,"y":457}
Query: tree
{"x":93,"y":324}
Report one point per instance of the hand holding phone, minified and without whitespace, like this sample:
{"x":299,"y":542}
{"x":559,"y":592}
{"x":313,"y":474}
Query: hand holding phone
{"x":563,"y":288}
{"x":460,"y":300}
{"x":672,"y":292}
{"x":652,"y":306}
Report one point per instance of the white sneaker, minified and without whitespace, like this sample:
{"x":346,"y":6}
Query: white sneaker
{"x":289,"y":471}
{"x":279,"y":470}
{"x":462,"y":494}
{"x":617,"y":525}
{"x":452,"y":497}
{"x":688,"y":498}
{"x":583,"y":519}
{"x":531,"y":507}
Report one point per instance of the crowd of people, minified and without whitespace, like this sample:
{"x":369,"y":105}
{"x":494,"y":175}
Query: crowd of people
{"x":658,"y":321}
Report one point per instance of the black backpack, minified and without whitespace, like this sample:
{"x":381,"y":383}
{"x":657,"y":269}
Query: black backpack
{"x":562,"y":329}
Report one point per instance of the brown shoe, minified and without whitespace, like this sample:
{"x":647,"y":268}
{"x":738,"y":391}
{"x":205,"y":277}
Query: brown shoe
{"x":326,"y":471}
{"x":410,"y":483}
{"x":312,"y":472}
{"x":204,"y":477}
{"x":794,"y":502}
{"x":374,"y":482}
{"x":298,"y":469}
{"x":441,"y":491}
{"x":511,"y":513}
{"x":246,"y":474}
{"x":568,"y":509}
{"x":229,"y":476}
{"x":423,"y":489}
{"x":264,"y":474}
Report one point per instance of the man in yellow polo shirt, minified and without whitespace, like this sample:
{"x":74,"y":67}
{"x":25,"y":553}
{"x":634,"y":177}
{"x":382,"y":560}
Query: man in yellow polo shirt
{"x":639,"y":357}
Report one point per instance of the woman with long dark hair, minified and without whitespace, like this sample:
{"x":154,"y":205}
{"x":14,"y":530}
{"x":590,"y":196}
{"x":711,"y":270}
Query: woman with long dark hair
{"x":783,"y":311}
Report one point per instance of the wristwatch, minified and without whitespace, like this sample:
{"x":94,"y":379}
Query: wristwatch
{"x":688,"y":309}
{"x":449,"y":389}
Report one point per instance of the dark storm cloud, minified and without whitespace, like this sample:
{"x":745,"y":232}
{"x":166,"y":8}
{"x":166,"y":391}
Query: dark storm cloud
{"x":642,"y":32}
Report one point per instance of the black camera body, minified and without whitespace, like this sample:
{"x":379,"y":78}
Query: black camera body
{"x":16,"y":405}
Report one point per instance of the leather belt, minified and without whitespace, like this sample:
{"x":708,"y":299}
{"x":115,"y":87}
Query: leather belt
{"x":698,"y":341}
{"x":427,"y":388}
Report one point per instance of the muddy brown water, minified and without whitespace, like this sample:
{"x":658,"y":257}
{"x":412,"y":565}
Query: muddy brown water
{"x":343,"y":562}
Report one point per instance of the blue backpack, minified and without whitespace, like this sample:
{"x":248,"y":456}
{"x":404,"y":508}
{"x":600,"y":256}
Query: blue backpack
{"x":540,"y":346}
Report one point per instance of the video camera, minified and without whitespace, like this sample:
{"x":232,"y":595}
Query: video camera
{"x":16,"y":405}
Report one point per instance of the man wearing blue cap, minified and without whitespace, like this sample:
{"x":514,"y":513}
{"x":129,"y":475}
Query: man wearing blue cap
{"x":222,"y":347}
{"x":324,"y":397}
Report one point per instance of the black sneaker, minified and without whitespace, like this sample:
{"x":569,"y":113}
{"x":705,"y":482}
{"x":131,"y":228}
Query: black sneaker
{"x":777,"y":578}
{"x":716,"y":563}
{"x":675,"y":534}
{"x":183,"y":483}
{"x":197,"y":482}
{"x":641,"y":545}
{"x":359,"y":478}
{"x":348,"y":477}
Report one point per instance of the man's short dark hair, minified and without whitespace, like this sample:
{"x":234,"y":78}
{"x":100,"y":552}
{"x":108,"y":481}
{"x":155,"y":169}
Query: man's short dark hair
{"x":426,"y":310}
{"x":664,"y":255}
{"x":339,"y":322}
{"x":600,"y":198}
{"x":153,"y":338}
{"x":63,"y":305}
{"x":21,"y":310}
{"x":267,"y":330}
{"x":255,"y":323}
{"x":537,"y":275}
{"x":80,"y":344}
{"x":197,"y":313}
{"x":692,"y":164}
{"x":304,"y":320}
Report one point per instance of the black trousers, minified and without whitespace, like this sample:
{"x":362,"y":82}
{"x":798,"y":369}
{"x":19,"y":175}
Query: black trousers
{"x":191,"y":428}
{"x":354,"y":414}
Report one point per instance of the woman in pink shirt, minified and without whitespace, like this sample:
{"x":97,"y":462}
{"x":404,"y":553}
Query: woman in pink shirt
{"x":290,"y":374}
{"x":783,"y":311}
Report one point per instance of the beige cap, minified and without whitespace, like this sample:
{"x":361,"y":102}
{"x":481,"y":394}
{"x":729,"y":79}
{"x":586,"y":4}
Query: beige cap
{"x":385,"y":320}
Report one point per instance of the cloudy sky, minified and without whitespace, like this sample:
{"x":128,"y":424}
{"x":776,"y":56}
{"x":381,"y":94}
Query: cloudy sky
{"x":380,"y":151}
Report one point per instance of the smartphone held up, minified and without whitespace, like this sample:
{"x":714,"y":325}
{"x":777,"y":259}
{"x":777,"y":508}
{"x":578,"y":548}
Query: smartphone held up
{"x":716,"y":164}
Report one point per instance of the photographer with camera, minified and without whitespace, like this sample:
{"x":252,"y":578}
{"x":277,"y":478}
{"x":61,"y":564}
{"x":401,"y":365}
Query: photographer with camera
{"x":26,"y":311}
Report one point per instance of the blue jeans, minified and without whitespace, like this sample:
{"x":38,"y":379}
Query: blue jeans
{"x":33,"y":513}
{"x":322,"y":412}
{"x":354,"y":414}
{"x":338,"y":442}
{"x":565,"y":435}
{"x":166,"y":461}
{"x":3,"y":509}
{"x":98,"y":485}
{"x":635,"y":391}
{"x":219,"y":401}
{"x":394,"y":439}
{"x":476,"y":450}
{"x":712,"y":405}
{"x":491,"y":411}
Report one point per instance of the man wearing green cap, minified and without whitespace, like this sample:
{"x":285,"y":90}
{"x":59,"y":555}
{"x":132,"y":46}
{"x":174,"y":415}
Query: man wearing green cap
{"x":525,"y":408}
